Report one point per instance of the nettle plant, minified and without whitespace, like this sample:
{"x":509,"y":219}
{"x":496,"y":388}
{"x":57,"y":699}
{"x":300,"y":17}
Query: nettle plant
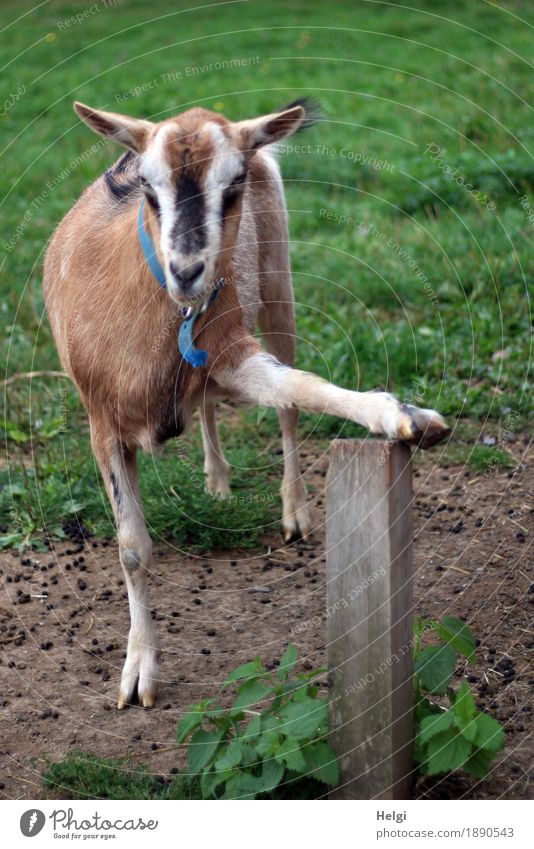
{"x":458,"y":736}
{"x":241,"y":753}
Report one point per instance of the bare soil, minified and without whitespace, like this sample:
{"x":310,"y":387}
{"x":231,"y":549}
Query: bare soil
{"x":64,"y":625}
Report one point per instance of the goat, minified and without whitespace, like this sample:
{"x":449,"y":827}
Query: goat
{"x":195,"y":204}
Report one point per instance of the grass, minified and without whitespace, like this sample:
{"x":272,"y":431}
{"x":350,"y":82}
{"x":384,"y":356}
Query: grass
{"x":403,"y":277}
{"x":83,"y":775}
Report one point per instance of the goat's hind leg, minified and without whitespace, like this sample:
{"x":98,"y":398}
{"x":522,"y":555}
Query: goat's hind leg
{"x":277,"y":324}
{"x":118,"y":466}
{"x":216,"y":467}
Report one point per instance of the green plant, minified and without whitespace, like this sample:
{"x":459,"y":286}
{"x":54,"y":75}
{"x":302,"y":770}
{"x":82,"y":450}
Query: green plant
{"x":458,"y":736}
{"x":241,"y":753}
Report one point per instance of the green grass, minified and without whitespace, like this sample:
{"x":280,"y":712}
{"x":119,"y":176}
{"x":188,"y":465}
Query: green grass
{"x":84,"y":775}
{"x":426,"y":291}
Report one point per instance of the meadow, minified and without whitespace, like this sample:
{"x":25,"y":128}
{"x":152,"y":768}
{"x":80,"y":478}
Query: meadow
{"x":411,"y":211}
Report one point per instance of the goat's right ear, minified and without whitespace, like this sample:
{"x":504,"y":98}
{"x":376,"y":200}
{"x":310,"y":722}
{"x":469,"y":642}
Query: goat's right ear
{"x":130,"y":132}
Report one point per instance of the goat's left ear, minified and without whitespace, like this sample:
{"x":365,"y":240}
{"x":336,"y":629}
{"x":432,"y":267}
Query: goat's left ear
{"x":258,"y":132}
{"x":130,"y":132}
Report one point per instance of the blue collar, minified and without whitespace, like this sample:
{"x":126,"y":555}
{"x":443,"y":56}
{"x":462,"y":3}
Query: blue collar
{"x":149,"y":250}
{"x":194,"y":356}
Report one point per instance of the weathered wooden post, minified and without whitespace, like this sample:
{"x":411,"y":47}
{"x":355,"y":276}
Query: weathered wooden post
{"x":369,"y":616}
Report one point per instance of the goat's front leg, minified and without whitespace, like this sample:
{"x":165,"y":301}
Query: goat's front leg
{"x":260,"y":379}
{"x":118,"y":466}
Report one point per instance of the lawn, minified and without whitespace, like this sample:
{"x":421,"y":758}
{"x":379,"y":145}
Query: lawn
{"x":411,"y":216}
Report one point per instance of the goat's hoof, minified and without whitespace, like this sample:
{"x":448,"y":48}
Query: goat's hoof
{"x":423,"y":428}
{"x":218,"y":486}
{"x":296,"y":525}
{"x":139,"y":682}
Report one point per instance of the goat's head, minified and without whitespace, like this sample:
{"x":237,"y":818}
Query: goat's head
{"x":192,"y":169}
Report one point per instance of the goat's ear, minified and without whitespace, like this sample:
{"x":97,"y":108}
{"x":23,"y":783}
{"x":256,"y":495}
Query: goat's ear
{"x":258,"y":132}
{"x":130,"y":132}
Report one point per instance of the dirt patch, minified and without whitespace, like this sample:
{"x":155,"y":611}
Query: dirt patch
{"x":64,"y":625}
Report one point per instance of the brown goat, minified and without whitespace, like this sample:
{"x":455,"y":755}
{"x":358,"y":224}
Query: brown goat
{"x":215,"y":211}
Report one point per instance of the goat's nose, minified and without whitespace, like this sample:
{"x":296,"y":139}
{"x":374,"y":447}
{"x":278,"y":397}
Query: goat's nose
{"x":186,"y":276}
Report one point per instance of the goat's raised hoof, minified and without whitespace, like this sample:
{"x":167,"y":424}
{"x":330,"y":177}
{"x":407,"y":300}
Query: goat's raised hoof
{"x":423,"y":428}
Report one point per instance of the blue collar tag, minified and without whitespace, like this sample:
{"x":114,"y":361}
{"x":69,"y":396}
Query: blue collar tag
{"x":195,"y":356}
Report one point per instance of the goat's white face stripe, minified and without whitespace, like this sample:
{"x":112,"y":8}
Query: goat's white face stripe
{"x":156,"y":169}
{"x":224,"y":164}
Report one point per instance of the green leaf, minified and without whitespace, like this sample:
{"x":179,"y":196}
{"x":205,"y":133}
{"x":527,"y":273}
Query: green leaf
{"x":268,"y":743}
{"x":291,"y":754}
{"x":209,"y":781}
{"x":435,"y":724}
{"x":252,"y":669}
{"x":288,"y":661}
{"x":435,"y":666}
{"x":271,"y":776}
{"x":250,"y":693}
{"x":457,"y":635}
{"x":321,"y":762}
{"x":479,"y":763}
{"x":490,"y":734}
{"x":302,"y":719}
{"x":189,"y":721}
{"x":446,"y":752}
{"x":464,"y":704}
{"x":229,"y":756}
{"x":242,"y":785}
{"x":202,"y":749}
{"x":253,"y":728}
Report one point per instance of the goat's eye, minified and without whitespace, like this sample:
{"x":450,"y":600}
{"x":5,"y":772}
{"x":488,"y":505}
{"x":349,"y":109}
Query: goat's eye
{"x":237,"y":181}
{"x":149,"y":192}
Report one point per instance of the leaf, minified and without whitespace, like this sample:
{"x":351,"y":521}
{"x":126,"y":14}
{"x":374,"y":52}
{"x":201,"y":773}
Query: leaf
{"x":435,"y":666}
{"x":250,"y":693}
{"x":230,"y":756}
{"x":253,"y":668}
{"x":490,"y":734}
{"x":272,"y":774}
{"x":209,"y":781}
{"x":457,"y":635}
{"x":302,"y":719}
{"x":268,"y":743}
{"x":241,"y":786}
{"x":479,"y":763}
{"x":287,"y":662}
{"x":291,"y":754}
{"x":464,"y":704}
{"x":435,"y":724}
{"x":253,"y":729}
{"x":321,"y":762}
{"x":7,"y":540}
{"x":446,"y":752}
{"x":189,"y":721}
{"x":202,"y":748}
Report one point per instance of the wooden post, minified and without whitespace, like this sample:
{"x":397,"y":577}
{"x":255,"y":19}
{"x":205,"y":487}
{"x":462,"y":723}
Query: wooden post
{"x":369,"y":617}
